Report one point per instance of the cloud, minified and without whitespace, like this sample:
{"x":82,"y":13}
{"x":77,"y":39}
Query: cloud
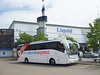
{"x":37,"y":4}
{"x":7,"y":18}
{"x":63,"y":12}
{"x":73,"y":12}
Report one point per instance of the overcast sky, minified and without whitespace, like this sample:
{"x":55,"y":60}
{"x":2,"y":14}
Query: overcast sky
{"x":61,"y":12}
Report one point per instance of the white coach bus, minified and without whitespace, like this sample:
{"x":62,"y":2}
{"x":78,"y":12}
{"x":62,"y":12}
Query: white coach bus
{"x":52,"y":52}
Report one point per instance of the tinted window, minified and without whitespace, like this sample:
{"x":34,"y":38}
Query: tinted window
{"x":49,"y":45}
{"x":28,"y":48}
{"x":35,"y":47}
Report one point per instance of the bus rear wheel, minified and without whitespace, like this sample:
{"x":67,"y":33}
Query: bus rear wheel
{"x":52,"y":61}
{"x":26,"y":60}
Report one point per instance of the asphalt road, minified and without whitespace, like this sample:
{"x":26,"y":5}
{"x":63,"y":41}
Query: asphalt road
{"x":12,"y":67}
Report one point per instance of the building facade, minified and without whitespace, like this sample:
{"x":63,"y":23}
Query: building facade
{"x":52,"y":31}
{"x":6,"y":42}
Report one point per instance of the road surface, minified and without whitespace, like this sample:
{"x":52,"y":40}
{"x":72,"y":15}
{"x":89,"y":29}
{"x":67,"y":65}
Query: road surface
{"x":12,"y":67}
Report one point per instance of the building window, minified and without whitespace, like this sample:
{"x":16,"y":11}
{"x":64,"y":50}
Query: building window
{"x":3,"y":53}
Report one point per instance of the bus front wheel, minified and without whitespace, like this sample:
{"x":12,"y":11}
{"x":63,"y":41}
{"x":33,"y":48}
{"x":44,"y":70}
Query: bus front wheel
{"x":26,"y":60}
{"x":52,"y":61}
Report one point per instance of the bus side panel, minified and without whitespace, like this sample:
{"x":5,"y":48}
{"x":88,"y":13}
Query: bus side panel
{"x":23,"y":56}
{"x":55,"y":55}
{"x":32,"y":55}
{"x":63,"y":58}
{"x":42,"y":56}
{"x":21,"y":59}
{"x":73,"y":58}
{"x":39,"y":56}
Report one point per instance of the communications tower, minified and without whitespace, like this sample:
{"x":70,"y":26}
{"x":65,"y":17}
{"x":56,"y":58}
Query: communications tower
{"x":42,"y":21}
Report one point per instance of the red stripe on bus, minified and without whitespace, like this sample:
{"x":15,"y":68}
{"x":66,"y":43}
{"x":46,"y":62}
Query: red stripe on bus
{"x":22,"y":49}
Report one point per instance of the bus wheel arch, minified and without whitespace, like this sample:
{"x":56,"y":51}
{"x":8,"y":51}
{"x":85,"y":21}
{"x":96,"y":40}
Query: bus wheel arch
{"x":52,"y":61}
{"x":26,"y":60}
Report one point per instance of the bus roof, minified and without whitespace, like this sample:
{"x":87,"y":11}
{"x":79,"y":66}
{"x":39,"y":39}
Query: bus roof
{"x":37,"y":42}
{"x":44,"y":41}
{"x":50,"y":41}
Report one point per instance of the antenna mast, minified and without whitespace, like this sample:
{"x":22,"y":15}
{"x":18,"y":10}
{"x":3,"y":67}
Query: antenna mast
{"x":43,"y":8}
{"x":98,"y":9}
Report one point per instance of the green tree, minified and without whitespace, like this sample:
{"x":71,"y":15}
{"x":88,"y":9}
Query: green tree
{"x":40,"y":37}
{"x":24,"y":38}
{"x":55,"y":38}
{"x":94,"y":34}
{"x":71,"y":39}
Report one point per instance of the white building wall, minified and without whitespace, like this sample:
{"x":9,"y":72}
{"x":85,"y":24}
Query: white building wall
{"x":12,"y":27}
{"x":5,"y":53}
{"x":53,"y":31}
{"x":76,"y":33}
{"x":22,"y":27}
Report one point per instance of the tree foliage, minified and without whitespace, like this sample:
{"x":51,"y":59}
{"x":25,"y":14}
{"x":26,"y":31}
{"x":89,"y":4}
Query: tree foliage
{"x":71,"y":39}
{"x":40,"y":37}
{"x":24,"y":38}
{"x":94,"y":34}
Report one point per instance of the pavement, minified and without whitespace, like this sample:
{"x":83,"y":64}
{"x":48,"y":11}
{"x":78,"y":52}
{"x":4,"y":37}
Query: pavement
{"x":89,"y":61}
{"x":84,"y":61}
{"x":10,"y":66}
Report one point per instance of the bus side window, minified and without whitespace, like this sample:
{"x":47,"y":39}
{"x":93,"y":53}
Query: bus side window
{"x":35,"y":47}
{"x":43,"y":46}
{"x":60,"y":47}
{"x":51,"y":45}
{"x":57,"y":46}
{"x":28,"y":48}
